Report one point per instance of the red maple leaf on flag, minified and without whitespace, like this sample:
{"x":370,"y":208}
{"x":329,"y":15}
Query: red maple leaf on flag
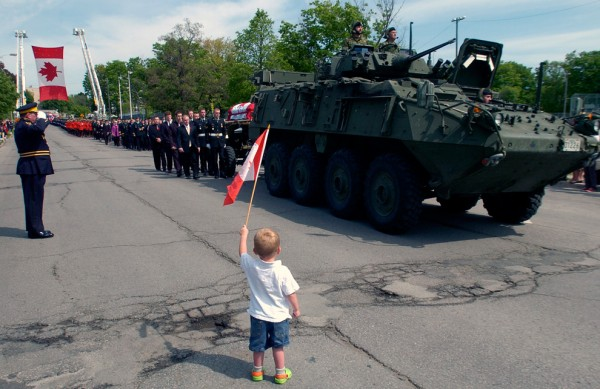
{"x":49,"y":71}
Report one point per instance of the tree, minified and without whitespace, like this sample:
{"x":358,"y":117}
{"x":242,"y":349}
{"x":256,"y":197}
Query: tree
{"x":29,"y":97}
{"x":217,"y":62}
{"x":255,"y":45}
{"x":173,"y":76}
{"x":8,"y":94}
{"x":515,"y":83}
{"x":239,"y":87}
{"x":583,"y":70}
{"x":553,"y":87}
{"x":320,"y":33}
{"x":388,"y":11}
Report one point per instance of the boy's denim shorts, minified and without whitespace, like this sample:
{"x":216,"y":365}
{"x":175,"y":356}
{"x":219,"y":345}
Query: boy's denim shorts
{"x":264,"y":334}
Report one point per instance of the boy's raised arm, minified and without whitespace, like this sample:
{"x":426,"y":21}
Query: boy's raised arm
{"x":243,"y":239}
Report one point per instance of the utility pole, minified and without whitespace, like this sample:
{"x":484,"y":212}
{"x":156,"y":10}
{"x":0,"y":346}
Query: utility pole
{"x":410,"y":39}
{"x":456,"y":20}
{"x":538,"y":92}
{"x":96,"y":90}
{"x":20,"y":34}
{"x":565,"y":94}
{"x":108,"y":97}
{"x":120,"y":101}
{"x":129,"y":83}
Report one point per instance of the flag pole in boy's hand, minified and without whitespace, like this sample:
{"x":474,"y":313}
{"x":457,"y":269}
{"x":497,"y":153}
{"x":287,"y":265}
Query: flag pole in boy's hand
{"x":248,"y":172}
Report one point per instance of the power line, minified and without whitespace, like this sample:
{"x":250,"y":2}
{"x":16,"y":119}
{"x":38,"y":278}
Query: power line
{"x":534,"y":15}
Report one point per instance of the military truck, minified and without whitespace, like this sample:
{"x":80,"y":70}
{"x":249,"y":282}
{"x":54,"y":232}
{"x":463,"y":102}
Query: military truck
{"x":377,"y":133}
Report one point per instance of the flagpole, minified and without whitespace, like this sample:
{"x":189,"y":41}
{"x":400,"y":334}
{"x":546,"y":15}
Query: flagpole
{"x":254,"y":188}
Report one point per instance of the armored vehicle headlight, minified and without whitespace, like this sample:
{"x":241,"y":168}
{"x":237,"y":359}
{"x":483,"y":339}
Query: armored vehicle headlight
{"x":498,"y":118}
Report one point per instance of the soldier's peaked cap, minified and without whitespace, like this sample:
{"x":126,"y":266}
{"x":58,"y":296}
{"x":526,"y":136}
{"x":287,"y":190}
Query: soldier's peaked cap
{"x":25,"y":109}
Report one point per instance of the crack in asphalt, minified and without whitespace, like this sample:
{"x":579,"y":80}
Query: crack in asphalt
{"x":213,"y":313}
{"x":215,"y":316}
{"x":345,"y":338}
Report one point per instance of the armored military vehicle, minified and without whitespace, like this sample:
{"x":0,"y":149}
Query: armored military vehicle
{"x":379,"y":132}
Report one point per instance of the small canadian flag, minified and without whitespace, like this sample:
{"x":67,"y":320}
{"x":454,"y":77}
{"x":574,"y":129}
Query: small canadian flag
{"x":51,"y":78}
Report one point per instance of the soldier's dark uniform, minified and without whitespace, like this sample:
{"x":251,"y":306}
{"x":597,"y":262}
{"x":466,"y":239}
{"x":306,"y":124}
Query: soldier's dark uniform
{"x":356,"y":38}
{"x":33,"y":167}
{"x":138,"y":133}
{"x":389,"y":46}
{"x":202,"y":142}
{"x":107,"y":131}
{"x":216,"y":138}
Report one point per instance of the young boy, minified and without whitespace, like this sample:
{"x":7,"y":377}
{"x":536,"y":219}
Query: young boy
{"x":272,"y":291}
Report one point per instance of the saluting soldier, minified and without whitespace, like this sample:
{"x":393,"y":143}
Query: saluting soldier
{"x":216,"y":138}
{"x":33,"y":167}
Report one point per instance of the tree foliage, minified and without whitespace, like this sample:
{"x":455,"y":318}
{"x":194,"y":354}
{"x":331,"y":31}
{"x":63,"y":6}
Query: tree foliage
{"x":515,"y":82}
{"x":188,"y":71}
{"x":8,"y":93}
{"x":173,"y":75}
{"x":320,"y":33}
{"x":255,"y":45}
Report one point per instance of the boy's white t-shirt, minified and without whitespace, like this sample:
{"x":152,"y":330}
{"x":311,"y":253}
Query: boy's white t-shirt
{"x":270,"y":283}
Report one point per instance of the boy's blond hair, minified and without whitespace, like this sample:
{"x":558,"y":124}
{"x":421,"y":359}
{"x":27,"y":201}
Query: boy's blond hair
{"x":266,"y":243}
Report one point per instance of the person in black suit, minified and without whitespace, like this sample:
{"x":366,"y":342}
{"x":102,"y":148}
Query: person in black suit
{"x":173,"y":133}
{"x":216,"y":135}
{"x":202,"y":141}
{"x":185,"y":143}
{"x":168,"y":141}
{"x":33,"y":166}
{"x":155,"y":134}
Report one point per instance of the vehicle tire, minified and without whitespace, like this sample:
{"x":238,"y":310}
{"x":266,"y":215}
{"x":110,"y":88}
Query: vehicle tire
{"x":392,"y":194}
{"x":344,"y":178}
{"x":276,"y":163}
{"x":513,"y":208}
{"x":458,"y":203}
{"x":305,"y":175}
{"x":230,"y":161}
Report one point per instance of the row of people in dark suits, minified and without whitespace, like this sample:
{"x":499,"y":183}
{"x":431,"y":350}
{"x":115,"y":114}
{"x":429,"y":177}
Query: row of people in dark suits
{"x":131,"y":134}
{"x":193,"y":145}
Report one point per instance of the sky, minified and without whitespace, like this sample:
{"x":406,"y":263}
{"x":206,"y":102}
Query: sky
{"x":531,"y":31}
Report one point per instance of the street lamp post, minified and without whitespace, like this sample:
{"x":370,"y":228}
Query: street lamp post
{"x":108,"y":97}
{"x":120,"y":101}
{"x":129,"y":87}
{"x":20,"y":34}
{"x":565,"y":92}
{"x":456,"y":20}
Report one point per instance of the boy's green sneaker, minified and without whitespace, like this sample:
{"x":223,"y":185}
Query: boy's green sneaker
{"x":282,"y":378}
{"x":257,"y":375}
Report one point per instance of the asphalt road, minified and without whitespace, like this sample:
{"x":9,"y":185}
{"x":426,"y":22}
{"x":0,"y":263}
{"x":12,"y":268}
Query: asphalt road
{"x":140,"y":287}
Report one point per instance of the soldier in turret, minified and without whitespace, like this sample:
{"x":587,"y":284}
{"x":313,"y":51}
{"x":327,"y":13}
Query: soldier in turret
{"x":390,"y":45}
{"x":356,"y":38}
{"x":486,"y":95}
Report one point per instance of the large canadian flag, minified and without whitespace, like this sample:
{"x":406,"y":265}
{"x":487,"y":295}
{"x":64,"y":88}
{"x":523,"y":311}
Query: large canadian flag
{"x":49,"y":64}
{"x":250,"y":168}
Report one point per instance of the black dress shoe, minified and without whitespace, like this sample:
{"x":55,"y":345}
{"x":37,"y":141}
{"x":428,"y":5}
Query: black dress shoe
{"x":40,"y":235}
